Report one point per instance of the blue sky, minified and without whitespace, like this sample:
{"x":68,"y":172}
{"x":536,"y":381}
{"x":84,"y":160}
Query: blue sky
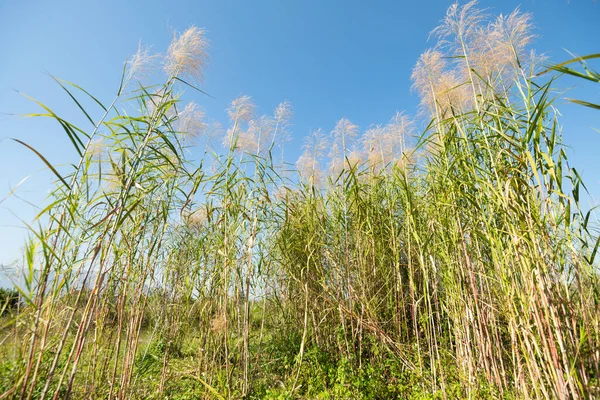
{"x":330,"y":59}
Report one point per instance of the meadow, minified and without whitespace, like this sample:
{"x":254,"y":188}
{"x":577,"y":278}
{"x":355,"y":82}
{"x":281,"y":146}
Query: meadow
{"x":390,"y":262}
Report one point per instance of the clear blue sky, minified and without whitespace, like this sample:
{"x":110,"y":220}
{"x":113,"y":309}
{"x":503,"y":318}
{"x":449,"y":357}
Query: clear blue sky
{"x":329,"y":58}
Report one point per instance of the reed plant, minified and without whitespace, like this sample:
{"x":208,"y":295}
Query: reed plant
{"x":453,"y":263}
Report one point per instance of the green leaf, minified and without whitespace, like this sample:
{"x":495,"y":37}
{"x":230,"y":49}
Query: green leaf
{"x":45,"y":162}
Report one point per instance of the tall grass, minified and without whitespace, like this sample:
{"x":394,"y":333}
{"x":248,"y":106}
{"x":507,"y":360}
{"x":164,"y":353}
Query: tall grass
{"x":457,"y":264}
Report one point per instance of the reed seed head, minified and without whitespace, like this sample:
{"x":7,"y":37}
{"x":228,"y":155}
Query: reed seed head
{"x":141,"y":63}
{"x":97,"y":149}
{"x":460,"y":21}
{"x":241,"y":109}
{"x":188,"y":55}
{"x":190,"y":121}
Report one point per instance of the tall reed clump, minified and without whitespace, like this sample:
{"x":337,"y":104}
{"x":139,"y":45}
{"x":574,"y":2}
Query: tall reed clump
{"x":475,"y":267}
{"x":89,"y":271}
{"x":457,"y":264}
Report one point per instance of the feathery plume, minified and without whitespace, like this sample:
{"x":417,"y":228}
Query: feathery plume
{"x":456,"y":32}
{"x":256,"y":138}
{"x":384,"y":145}
{"x":188,"y":54}
{"x":407,"y":158}
{"x":190,"y":121}
{"x":315,"y":144}
{"x":308,"y":164}
{"x":441,"y":90}
{"x":342,"y":137}
{"x":400,"y":128}
{"x":515,"y":30}
{"x":344,"y":130}
{"x":489,"y":58}
{"x":282,"y":116}
{"x":452,"y":94}
{"x":283,"y":113}
{"x":535,"y":60}
{"x":97,"y":149}
{"x":241,"y":109}
{"x":140,"y":63}
{"x":498,"y":50}
{"x":309,"y":170}
{"x":460,"y":22}
{"x":196,"y":219}
{"x":213,"y":131}
{"x":354,"y":158}
{"x":375,"y":147}
{"x":261,"y":130}
{"x":429,"y":67}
